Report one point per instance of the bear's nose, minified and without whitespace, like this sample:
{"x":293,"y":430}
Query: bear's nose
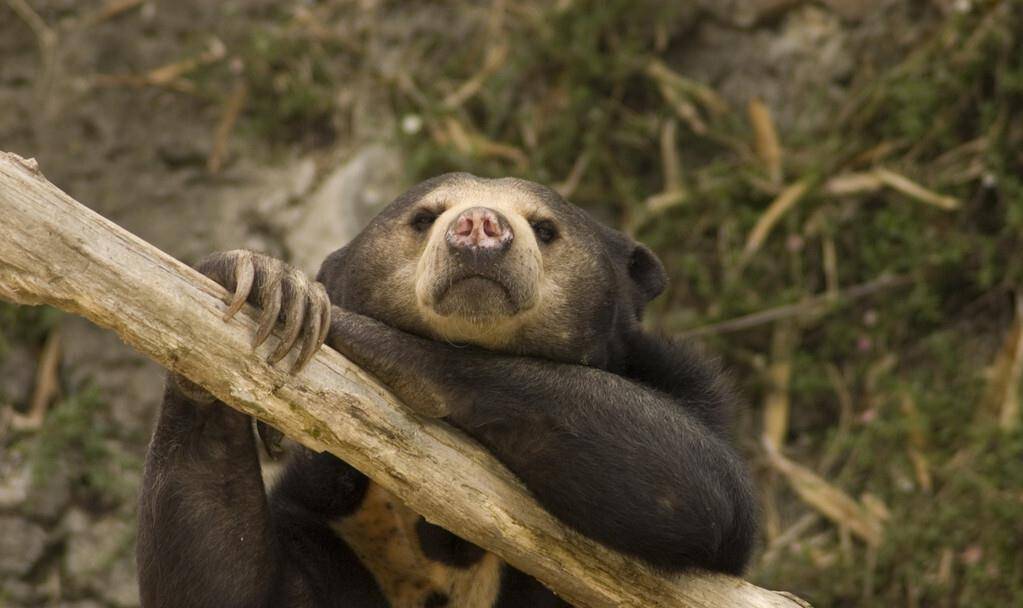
{"x":480,"y":228}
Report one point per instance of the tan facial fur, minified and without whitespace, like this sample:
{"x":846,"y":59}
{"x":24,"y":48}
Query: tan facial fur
{"x":549,"y":298}
{"x":495,"y":315}
{"x":548,"y":293}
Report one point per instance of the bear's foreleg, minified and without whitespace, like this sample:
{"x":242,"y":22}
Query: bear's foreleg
{"x":207,"y":534}
{"x":620,"y":461}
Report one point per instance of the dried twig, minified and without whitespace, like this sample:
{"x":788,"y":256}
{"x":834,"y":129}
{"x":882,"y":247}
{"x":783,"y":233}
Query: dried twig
{"x":567,"y":187}
{"x":47,"y":41}
{"x":683,"y":108}
{"x":811,"y":306}
{"x":871,"y":181}
{"x":917,"y":442}
{"x":46,"y":37}
{"x":788,"y":537}
{"x":232,"y":109}
{"x":671,"y":165}
{"x":697,"y":91}
{"x":914,"y":190}
{"x":845,"y":416}
{"x":453,"y":132}
{"x":495,"y":56}
{"x":1002,"y":399}
{"x":674,"y":191}
{"x":46,"y":386}
{"x":778,"y":207}
{"x":779,"y":372}
{"x":767,"y":145}
{"x":169,"y":76}
{"x":828,"y":499}
{"x":852,"y":183}
{"x":111,"y":9}
{"x":494,"y":59}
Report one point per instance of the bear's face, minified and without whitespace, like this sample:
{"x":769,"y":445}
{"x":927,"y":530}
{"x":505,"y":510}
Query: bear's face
{"x":505,"y":264}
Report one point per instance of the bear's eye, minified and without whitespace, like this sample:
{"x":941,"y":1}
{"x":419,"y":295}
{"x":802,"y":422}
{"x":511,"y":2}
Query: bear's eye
{"x":545,"y":231}
{"x":422,"y":220}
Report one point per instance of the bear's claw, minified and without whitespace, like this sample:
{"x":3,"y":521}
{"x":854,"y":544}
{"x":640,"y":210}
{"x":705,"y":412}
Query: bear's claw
{"x":282,"y":293}
{"x":244,"y":272}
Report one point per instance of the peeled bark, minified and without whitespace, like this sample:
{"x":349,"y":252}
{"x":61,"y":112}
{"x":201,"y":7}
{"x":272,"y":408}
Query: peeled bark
{"x":55,"y":251}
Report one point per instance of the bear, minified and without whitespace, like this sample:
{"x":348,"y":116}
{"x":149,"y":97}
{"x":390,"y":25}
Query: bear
{"x":511,"y":314}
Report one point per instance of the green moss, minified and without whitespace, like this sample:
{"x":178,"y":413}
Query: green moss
{"x":292,"y":79}
{"x":25,"y":324}
{"x":574,"y":80}
{"x":76,"y":437}
{"x":292,"y":86}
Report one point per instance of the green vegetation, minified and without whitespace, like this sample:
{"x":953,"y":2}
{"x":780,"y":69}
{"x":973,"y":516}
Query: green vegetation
{"x":75,"y":438}
{"x":292,"y":85}
{"x":25,"y":324}
{"x":921,"y":434}
{"x":75,"y":435}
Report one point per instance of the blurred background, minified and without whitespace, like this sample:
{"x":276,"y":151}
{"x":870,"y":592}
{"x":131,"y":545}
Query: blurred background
{"x":836,"y":188}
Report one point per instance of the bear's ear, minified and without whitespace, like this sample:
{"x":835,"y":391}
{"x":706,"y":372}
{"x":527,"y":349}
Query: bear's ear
{"x":647,"y":272}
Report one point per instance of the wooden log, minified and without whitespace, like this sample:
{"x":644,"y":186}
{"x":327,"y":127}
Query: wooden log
{"x":55,"y":251}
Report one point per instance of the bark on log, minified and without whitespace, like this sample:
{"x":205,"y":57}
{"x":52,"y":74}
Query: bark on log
{"x":55,"y":251}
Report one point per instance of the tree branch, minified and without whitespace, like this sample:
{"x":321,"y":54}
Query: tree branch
{"x":55,"y":251}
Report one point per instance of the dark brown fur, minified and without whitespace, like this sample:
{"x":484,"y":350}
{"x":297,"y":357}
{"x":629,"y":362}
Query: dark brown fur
{"x":541,"y":357}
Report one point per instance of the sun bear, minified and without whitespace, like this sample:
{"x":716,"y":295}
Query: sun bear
{"x":515,"y":316}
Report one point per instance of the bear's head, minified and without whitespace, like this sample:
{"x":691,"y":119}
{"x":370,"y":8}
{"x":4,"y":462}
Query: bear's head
{"x":504,"y":264}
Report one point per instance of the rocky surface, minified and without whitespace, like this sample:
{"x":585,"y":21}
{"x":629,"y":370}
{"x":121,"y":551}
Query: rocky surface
{"x":22,"y":544}
{"x":138,"y":156}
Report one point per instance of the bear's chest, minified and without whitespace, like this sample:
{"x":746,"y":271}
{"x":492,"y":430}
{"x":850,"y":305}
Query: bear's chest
{"x":383,"y":534}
